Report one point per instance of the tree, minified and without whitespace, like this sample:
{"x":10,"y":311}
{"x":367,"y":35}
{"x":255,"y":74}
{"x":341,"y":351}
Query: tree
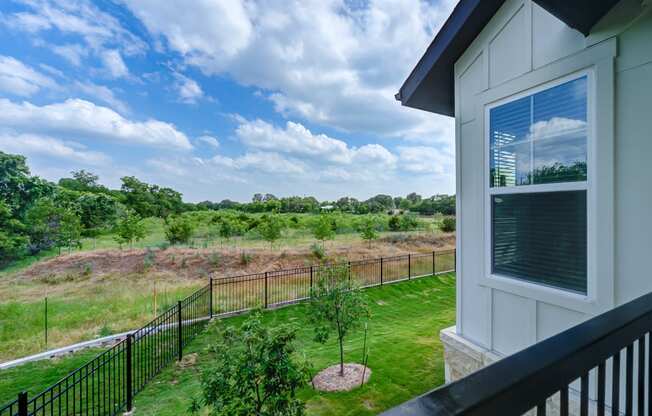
{"x":42,"y":222}
{"x":129,"y":228}
{"x":336,"y":305}
{"x":69,"y":230}
{"x":254,"y":372}
{"x":178,"y":230}
{"x":368,"y":229}
{"x":324,"y":229}
{"x":226,"y":229}
{"x":270,"y":229}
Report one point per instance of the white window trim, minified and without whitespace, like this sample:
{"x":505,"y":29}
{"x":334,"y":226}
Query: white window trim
{"x":535,"y":188}
{"x":599,"y":61}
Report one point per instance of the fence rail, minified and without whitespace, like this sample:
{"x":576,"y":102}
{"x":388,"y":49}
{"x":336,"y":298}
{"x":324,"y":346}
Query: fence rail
{"x":106,"y":385}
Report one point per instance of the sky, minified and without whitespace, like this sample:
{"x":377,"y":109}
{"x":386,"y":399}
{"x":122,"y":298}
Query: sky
{"x":226,"y":98}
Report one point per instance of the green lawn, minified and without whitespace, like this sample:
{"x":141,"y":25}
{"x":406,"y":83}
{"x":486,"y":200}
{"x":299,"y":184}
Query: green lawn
{"x":406,"y":356}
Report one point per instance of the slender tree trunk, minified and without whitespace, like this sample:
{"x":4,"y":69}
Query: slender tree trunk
{"x":341,"y":358}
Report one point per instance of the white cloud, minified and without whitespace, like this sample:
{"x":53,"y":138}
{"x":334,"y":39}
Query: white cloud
{"x":73,"y":53}
{"x":424,"y":160}
{"x":114,"y":64}
{"x":188,"y":89}
{"x":268,"y":162}
{"x":97,"y":28}
{"x":83,"y":119}
{"x":298,"y":140}
{"x":210,"y":141}
{"x":329,"y":62}
{"x":104,"y":94}
{"x":38,"y":145}
{"x":19,"y":79}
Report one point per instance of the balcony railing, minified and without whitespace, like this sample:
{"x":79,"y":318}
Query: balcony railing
{"x":601,"y":366}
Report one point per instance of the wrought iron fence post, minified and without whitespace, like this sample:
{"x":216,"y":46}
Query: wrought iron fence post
{"x":130,"y":394}
{"x":22,"y":404}
{"x":265,"y":290}
{"x":434,"y":271}
{"x":349,"y":271}
{"x":381,"y":271}
{"x":454,"y":260}
{"x":311,"y":273}
{"x":210,"y":298}
{"x":180,"y":331}
{"x":409,"y":266}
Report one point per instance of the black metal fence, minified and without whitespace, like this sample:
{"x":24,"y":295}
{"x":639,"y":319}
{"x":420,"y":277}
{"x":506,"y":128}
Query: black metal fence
{"x":106,"y":385}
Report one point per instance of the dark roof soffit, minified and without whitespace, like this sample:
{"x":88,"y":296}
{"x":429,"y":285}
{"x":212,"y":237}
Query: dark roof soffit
{"x":430,"y":85}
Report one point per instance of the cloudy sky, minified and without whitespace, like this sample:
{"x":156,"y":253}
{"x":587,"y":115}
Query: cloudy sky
{"x":224,"y":98}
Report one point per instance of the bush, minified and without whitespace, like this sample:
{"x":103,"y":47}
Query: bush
{"x":179,"y":230}
{"x":394,"y":223}
{"x":245,"y":258}
{"x":255,"y":372}
{"x":447,"y":225}
{"x":318,"y":251}
{"x":408,"y":222}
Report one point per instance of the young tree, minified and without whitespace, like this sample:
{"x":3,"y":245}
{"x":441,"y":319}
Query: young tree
{"x":129,"y":228}
{"x":178,"y":230}
{"x":337,"y":305}
{"x":226,"y":230}
{"x":368,"y":230}
{"x":254,"y":372}
{"x":69,"y":230}
{"x":324,"y":229}
{"x":270,"y":229}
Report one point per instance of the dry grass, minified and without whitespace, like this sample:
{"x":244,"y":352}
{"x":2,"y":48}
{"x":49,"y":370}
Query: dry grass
{"x":100,"y":292}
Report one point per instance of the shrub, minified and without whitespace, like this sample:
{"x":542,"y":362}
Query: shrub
{"x":215,"y":259}
{"x":408,"y":222}
{"x":245,"y":258}
{"x":447,"y":225}
{"x":394,"y":223}
{"x":318,"y":251}
{"x":179,"y":229}
{"x":149,"y":260}
{"x":255,"y":372}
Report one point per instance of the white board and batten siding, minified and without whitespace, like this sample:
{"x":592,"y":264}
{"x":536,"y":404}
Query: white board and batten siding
{"x":524,"y":47}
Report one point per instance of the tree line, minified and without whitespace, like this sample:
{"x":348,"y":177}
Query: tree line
{"x":38,"y":215}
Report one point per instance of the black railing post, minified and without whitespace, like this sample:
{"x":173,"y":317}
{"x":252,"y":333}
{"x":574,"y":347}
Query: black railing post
{"x":180,"y":331}
{"x":311,"y":277}
{"x":130,"y":393}
{"x":265,"y":290}
{"x":22,"y":404}
{"x":349,"y":271}
{"x":434,"y":271}
{"x":381,"y":271}
{"x":455,"y":260}
{"x":409,"y":266}
{"x":210,"y":298}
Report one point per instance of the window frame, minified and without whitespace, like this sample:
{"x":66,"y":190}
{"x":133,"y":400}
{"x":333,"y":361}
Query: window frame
{"x":588,"y":186}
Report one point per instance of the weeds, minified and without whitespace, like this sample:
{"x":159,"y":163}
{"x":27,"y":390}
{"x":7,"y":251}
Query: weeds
{"x":245,"y":258}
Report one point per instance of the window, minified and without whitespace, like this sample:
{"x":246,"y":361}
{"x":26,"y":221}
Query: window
{"x":538,"y":187}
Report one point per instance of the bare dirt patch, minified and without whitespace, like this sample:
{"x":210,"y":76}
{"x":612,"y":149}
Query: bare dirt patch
{"x":330,"y":379}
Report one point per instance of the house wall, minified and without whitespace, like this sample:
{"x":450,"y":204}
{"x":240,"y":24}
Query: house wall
{"x":521,"y":47}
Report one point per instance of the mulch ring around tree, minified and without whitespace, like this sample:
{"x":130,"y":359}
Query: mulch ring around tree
{"x":329,"y":379}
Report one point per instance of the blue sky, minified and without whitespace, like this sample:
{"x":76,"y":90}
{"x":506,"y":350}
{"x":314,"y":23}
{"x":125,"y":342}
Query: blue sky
{"x":225,"y":98}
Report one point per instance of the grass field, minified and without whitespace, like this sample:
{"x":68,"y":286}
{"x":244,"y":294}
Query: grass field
{"x":406,"y":356}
